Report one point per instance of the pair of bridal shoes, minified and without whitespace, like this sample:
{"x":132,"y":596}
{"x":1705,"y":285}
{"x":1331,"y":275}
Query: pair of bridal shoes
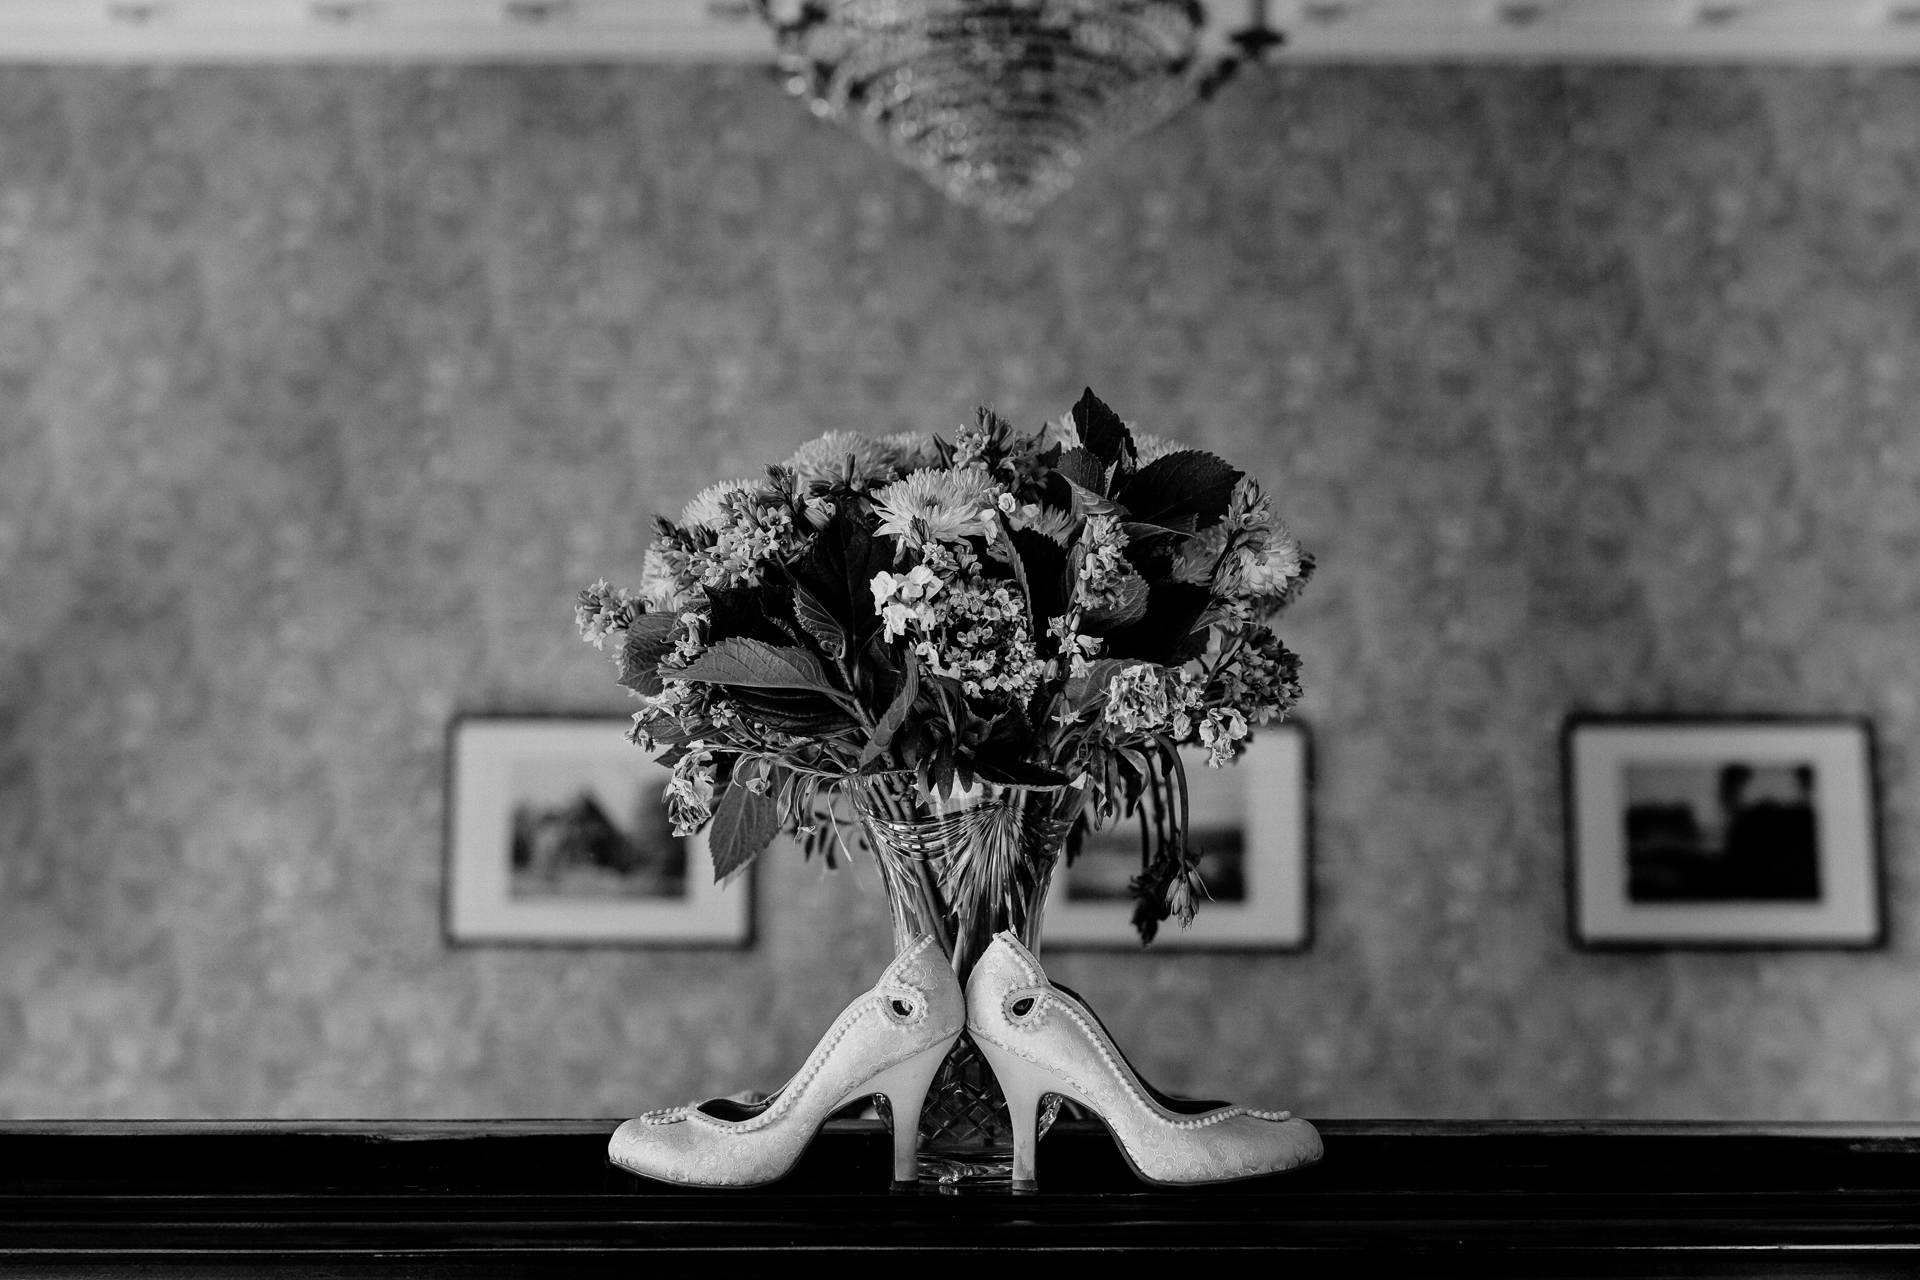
{"x":1040,"y":1038}
{"x":888,"y":1042}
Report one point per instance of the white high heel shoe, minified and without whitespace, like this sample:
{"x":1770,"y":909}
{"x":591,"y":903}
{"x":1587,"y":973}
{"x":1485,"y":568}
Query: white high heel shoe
{"x":1041,"y":1039}
{"x":889,"y":1041}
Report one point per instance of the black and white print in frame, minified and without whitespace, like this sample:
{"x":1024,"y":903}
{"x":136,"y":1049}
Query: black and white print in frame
{"x":556,"y":834}
{"x":1722,"y":833}
{"x":1250,"y":825}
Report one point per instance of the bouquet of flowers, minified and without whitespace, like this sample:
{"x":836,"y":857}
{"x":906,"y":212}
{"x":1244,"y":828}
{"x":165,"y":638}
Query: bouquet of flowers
{"x":1056,"y":612}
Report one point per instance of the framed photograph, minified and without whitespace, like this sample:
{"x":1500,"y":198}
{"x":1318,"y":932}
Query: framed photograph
{"x":556,"y":834}
{"x":1250,"y":824}
{"x":1722,"y":833}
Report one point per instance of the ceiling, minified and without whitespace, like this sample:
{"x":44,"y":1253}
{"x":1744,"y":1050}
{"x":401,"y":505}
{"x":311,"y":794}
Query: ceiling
{"x":726,"y":30}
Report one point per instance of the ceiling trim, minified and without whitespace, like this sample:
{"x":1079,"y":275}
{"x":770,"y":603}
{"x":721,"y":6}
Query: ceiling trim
{"x":230,"y":31}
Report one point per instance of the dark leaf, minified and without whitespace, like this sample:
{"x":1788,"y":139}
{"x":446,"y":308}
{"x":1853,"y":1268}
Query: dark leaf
{"x":1018,"y":773}
{"x":819,"y":623}
{"x":1045,"y":564}
{"x":789,"y":711}
{"x":838,"y":570}
{"x":649,"y":639}
{"x":750,"y":613}
{"x":1151,"y":558}
{"x":1122,"y":613}
{"x":1101,"y":430}
{"x":1088,"y":503}
{"x":1173,"y":608}
{"x":671,"y":733}
{"x":1083,"y":691}
{"x":743,"y":825}
{"x":1186,"y":484}
{"x":751,"y":664}
{"x":896,"y":714}
{"x":1175,"y":532}
{"x":1080,"y":467}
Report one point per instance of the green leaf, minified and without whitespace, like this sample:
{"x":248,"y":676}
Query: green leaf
{"x":1083,"y":691}
{"x":1044,"y":566}
{"x":793,"y":712}
{"x":1173,"y":610}
{"x":1124,"y":612}
{"x":753,"y":664}
{"x":896,"y":714}
{"x":819,"y":623}
{"x":1186,"y":484}
{"x":838,"y":570}
{"x":743,"y":825}
{"x":1080,"y":467}
{"x":1088,"y":503}
{"x":649,"y":639}
{"x":763,"y":612}
{"x":1101,"y":430}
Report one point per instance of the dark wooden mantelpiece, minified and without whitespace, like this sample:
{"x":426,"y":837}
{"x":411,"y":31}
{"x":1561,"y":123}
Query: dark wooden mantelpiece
{"x":535,"y":1198}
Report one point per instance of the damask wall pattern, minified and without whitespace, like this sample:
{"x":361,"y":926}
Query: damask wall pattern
{"x":322,"y":392}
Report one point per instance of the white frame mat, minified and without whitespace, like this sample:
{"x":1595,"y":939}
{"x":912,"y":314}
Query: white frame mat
{"x":1849,"y":912}
{"x":482,"y":751}
{"x":1275,"y":915}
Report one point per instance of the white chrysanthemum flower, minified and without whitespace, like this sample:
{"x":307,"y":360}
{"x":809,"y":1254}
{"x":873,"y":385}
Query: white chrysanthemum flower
{"x":1270,"y":572}
{"x":1059,"y":432}
{"x":1056,"y":524}
{"x":824,"y":460}
{"x":935,"y":506}
{"x":910,"y":450}
{"x":1151,"y":448}
{"x":709,"y":510}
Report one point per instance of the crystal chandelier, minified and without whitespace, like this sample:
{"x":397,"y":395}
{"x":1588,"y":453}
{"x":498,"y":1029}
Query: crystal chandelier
{"x":999,"y":103}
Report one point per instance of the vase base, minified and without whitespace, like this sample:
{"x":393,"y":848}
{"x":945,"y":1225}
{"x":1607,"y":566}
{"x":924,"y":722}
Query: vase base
{"x":987,"y":1172}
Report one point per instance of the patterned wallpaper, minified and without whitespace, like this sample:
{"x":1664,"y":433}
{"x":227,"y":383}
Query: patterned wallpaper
{"x":321,"y":392}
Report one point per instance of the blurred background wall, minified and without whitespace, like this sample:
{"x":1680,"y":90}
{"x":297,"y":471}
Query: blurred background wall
{"x":322,"y":393}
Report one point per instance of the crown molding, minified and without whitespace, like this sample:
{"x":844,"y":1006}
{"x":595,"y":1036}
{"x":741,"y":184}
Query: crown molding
{"x":216,"y":31}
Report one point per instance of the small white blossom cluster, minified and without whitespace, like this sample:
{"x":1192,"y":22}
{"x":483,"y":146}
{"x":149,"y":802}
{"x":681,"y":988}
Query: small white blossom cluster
{"x":748,"y":535}
{"x":689,"y":793}
{"x":903,"y":599}
{"x":962,"y":625}
{"x":1104,"y":571}
{"x":1144,"y":699}
{"x":1074,"y":647}
{"x":984,"y":641}
{"x":1137,"y":701}
{"x":604,"y":613}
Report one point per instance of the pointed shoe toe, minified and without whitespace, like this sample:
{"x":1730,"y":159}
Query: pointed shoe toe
{"x":889,"y":1041}
{"x":1040,"y":1039}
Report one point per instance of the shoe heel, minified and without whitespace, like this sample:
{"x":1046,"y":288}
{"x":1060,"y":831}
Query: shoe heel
{"x":1023,"y":1084}
{"x":906,"y":1084}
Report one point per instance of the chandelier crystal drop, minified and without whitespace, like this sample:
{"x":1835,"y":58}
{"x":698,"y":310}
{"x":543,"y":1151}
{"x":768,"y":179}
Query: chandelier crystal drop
{"x":998,"y":103}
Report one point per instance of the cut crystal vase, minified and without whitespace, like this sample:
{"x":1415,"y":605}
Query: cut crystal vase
{"x":963,"y":869}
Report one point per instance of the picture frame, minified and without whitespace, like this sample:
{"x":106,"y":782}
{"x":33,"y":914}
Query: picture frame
{"x":555,"y":835}
{"x":1252,"y":825}
{"x":1717,"y":832}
